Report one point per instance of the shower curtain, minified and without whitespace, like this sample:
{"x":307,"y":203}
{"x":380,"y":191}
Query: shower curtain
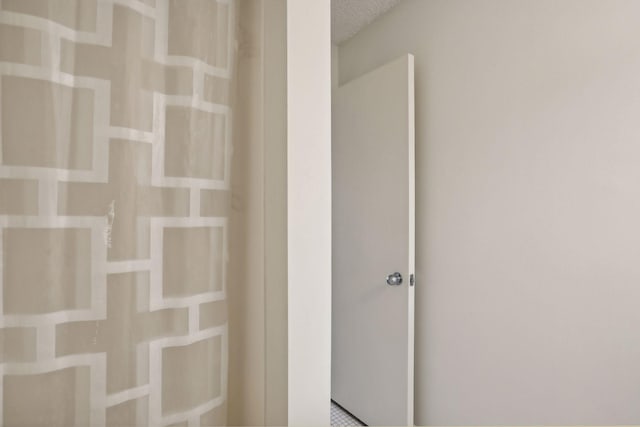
{"x":115,"y":155}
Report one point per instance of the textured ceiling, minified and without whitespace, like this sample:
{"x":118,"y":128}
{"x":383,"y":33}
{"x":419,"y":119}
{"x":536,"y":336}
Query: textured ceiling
{"x":349,"y":16}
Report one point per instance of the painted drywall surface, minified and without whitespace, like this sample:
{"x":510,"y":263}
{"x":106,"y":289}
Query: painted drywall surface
{"x":335,"y":70}
{"x":309,"y":211}
{"x":528,"y":206}
{"x":246,"y":272}
{"x":275,"y":183}
{"x":258,"y":263}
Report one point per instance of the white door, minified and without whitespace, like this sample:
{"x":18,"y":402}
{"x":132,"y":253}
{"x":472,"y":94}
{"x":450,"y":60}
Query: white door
{"x":373,"y":238}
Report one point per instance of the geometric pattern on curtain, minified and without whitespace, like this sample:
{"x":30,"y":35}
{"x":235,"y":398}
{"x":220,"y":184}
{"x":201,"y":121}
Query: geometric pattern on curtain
{"x":115,"y":149}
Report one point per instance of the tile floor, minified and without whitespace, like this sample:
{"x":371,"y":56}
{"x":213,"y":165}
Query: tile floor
{"x":340,"y":417}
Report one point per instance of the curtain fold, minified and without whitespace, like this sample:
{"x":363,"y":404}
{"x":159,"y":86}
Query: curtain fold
{"x":115,"y":157}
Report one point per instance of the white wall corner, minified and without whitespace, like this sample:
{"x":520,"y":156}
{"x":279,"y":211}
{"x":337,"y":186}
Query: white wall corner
{"x":309,"y":211}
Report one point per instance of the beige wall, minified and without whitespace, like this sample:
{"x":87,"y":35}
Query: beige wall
{"x":280,"y":316}
{"x":247,"y":235}
{"x":528,"y":206}
{"x":258,"y":261}
{"x":275,"y":183}
{"x":335,"y":69}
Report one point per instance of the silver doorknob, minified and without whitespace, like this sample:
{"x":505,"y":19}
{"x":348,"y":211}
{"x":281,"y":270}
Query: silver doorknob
{"x":394,"y":279}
